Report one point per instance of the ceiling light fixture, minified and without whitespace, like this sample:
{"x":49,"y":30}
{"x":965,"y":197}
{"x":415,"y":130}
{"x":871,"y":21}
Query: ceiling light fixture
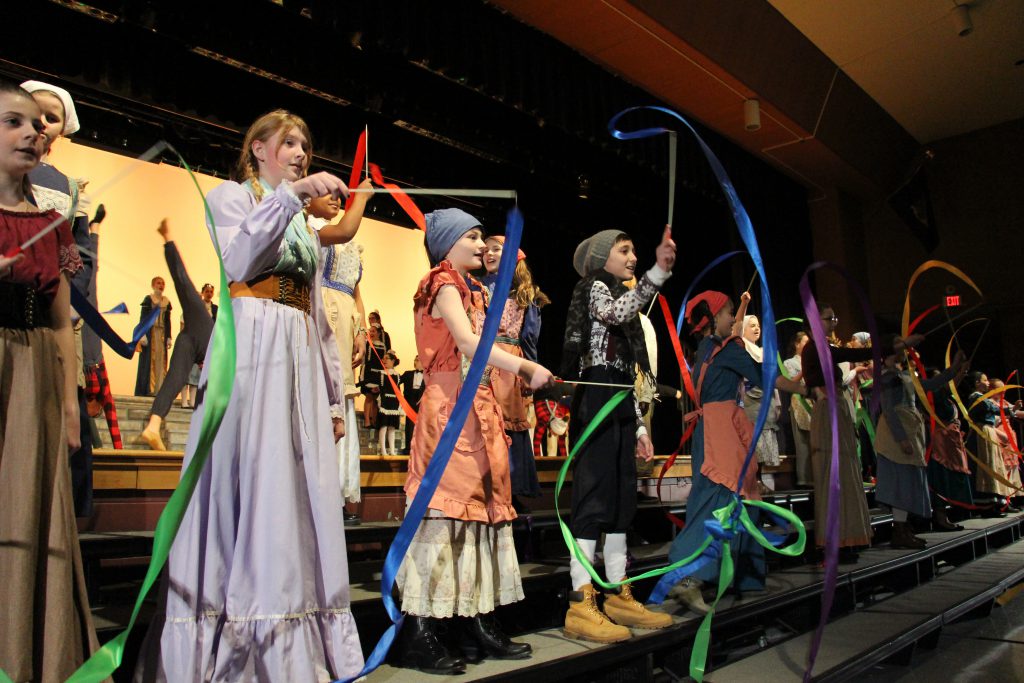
{"x":752,"y":115}
{"x":962,"y":20}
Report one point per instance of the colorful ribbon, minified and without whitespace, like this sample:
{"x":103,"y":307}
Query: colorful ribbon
{"x":769,"y":368}
{"x":728,"y":521}
{"x":820,"y":340}
{"x":410,"y":412}
{"x":446,"y":445}
{"x":357,"y":168}
{"x":94,"y":319}
{"x":403,"y":199}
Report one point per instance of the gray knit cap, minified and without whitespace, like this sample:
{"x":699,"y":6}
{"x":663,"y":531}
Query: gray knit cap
{"x":444,"y":228}
{"x":592,"y":253}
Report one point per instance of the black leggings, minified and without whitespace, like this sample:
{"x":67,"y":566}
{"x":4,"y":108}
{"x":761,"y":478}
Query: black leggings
{"x":190,"y":348}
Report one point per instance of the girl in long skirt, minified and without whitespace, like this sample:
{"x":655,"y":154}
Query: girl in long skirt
{"x":719,"y":446}
{"x":257,"y":582}
{"x":462,"y":562}
{"x":900,"y":446}
{"x":989,"y":450}
{"x":45,"y":625}
{"x":517,"y":334}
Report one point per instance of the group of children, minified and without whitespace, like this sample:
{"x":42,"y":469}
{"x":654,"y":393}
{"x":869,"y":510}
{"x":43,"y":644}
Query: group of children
{"x":257,"y":582}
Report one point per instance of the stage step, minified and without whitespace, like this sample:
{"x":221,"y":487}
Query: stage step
{"x":792,"y":600}
{"x":133,"y":415}
{"x":892,"y":628}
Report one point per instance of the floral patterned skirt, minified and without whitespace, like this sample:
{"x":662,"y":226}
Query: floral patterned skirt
{"x":459,"y":568}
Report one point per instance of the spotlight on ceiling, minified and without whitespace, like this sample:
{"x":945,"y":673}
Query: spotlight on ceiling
{"x":584,"y":186}
{"x":962,"y":20}
{"x":752,"y":115}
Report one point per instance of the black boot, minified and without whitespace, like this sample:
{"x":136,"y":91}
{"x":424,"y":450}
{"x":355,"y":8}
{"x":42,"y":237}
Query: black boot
{"x":491,"y":640}
{"x":423,"y":649}
{"x":462,"y":641}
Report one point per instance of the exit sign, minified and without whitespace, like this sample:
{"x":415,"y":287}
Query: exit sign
{"x":953,"y":300}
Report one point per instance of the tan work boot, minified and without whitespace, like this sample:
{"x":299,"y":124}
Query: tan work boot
{"x":687,"y":592}
{"x":625,"y":610}
{"x":584,"y":621}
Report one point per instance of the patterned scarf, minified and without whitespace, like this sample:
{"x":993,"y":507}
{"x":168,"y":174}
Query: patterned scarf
{"x":578,"y":325}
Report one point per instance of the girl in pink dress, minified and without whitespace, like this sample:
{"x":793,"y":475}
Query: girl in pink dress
{"x":462,"y":561}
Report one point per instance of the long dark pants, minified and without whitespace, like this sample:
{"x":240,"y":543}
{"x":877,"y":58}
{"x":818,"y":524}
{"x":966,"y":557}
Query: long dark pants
{"x":190,"y":348}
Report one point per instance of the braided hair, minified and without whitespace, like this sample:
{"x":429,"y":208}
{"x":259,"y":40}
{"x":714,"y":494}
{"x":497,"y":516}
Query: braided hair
{"x":265,"y":127}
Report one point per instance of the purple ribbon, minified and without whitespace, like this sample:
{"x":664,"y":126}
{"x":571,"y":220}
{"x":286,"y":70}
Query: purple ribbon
{"x":828,"y":372}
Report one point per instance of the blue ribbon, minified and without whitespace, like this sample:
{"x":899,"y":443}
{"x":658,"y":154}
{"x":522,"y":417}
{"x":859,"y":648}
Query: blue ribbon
{"x":446,"y":444}
{"x":769,"y":368}
{"x":120,"y":308}
{"x":94,"y":319}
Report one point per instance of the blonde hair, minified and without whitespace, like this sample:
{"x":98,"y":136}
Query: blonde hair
{"x":262,"y":129}
{"x":523,"y":289}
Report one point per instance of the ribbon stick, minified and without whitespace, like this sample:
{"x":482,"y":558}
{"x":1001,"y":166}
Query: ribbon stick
{"x":220,"y":381}
{"x":446,"y":445}
{"x":128,"y":170}
{"x":391,"y":188}
{"x":673,"y":143}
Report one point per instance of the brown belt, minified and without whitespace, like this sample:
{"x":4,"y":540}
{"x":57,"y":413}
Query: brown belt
{"x":284,"y":289}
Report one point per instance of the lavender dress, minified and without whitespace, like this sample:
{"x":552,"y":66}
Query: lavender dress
{"x":257,"y":583}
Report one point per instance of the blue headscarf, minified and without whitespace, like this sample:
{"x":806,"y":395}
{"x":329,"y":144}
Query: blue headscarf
{"x":444,"y":228}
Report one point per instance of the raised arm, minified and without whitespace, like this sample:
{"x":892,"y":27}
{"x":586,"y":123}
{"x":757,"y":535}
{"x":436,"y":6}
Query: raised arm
{"x":346,"y":228}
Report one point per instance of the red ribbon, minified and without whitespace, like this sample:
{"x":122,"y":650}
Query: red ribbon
{"x":404,"y":200}
{"x":688,"y":383}
{"x":357,"y":168}
{"x":410,"y":412}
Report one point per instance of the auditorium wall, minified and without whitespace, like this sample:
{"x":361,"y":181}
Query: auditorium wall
{"x":131,"y":251}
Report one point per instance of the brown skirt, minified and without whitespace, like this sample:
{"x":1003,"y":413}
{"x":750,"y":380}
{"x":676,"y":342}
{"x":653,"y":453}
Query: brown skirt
{"x":854,"y":518}
{"x":45,"y":622}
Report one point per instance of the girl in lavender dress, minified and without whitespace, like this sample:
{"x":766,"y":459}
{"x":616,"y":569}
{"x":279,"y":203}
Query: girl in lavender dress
{"x":257,"y":583}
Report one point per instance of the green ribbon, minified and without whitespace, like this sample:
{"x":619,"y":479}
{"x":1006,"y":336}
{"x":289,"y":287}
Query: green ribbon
{"x":218,"y":393}
{"x":727,"y":516}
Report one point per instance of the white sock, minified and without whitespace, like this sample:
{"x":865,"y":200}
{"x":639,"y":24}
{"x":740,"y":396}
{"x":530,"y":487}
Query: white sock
{"x":579,"y":575}
{"x":391,"y":441}
{"x":614,"y":557}
{"x":381,"y":435}
{"x":899,"y":515}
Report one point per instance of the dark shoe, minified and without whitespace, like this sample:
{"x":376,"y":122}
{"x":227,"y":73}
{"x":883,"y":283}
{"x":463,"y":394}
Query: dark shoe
{"x":992,"y":513}
{"x":352,"y":519}
{"x":422,"y":648}
{"x":941,"y":521}
{"x":462,"y":642}
{"x":491,"y":641}
{"x":848,"y":555}
{"x":642,"y":497}
{"x":903,"y":537}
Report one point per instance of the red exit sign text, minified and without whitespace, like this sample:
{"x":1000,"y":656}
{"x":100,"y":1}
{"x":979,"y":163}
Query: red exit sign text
{"x":953,"y":300}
